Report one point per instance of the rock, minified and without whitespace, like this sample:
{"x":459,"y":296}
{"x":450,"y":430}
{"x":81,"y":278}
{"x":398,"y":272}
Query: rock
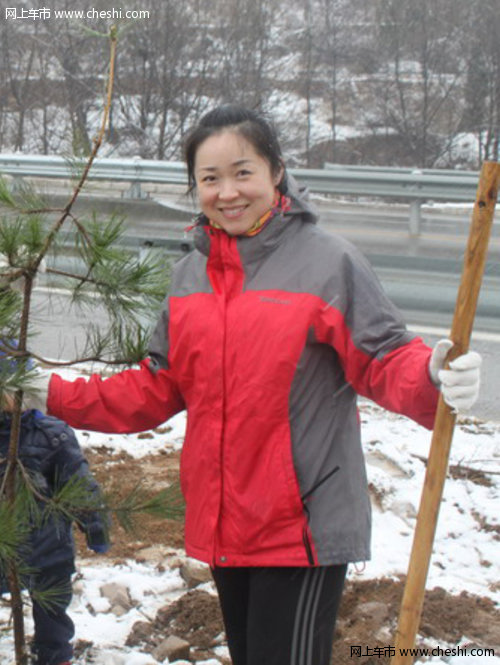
{"x":373,"y":610}
{"x":492,"y":636}
{"x":176,"y":561}
{"x":484,"y":626}
{"x":152,"y":554}
{"x":141,"y":631}
{"x":194,"y":573}
{"x":117,"y":594}
{"x":119,"y":610}
{"x":404,"y":509}
{"x":384,"y":635}
{"x":392,"y":467}
{"x":172,"y":648}
{"x":110,"y":658}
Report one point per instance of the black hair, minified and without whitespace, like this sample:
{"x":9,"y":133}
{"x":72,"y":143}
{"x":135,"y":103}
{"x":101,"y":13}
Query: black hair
{"x":256,"y":129}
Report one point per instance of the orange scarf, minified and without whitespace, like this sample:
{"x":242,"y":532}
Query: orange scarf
{"x":281,"y":204}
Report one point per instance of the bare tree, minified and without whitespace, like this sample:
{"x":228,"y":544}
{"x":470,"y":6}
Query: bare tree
{"x":18,"y":56}
{"x":71,"y":47}
{"x":482,"y":89}
{"x":419,"y":42}
{"x":397,"y":66}
{"x":243,"y":36}
{"x":342,"y":40}
{"x":161,"y":78}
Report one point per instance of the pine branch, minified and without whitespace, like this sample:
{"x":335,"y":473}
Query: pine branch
{"x":52,"y":595}
{"x":39,"y":211}
{"x":6,"y":197}
{"x":30,"y":268}
{"x":14,"y":530}
{"x":167,"y":504}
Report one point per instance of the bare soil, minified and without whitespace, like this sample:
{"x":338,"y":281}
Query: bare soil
{"x":369,"y":609}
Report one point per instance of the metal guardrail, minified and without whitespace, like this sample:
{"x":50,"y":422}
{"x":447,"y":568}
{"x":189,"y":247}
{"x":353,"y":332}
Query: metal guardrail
{"x":399,"y":169}
{"x":126,"y":170}
{"x":414,"y":187}
{"x":411,"y":185}
{"x":168,"y":245}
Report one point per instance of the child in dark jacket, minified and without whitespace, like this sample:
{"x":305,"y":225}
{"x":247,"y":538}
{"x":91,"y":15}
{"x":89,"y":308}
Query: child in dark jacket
{"x":49,"y":451}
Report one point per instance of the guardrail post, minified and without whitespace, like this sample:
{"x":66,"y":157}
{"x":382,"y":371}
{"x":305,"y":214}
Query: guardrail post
{"x":415,"y":218}
{"x":135,"y":190}
{"x":17,"y":184}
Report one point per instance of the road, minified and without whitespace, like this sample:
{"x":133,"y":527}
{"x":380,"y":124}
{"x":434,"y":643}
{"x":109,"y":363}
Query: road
{"x":420,"y":274}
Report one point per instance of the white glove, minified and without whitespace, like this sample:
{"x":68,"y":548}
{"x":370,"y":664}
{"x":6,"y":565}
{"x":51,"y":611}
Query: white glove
{"x":35,"y":395}
{"x":459,"y":384}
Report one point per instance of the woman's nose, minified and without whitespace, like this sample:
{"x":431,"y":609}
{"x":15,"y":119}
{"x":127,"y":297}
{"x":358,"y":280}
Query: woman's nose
{"x":228,"y":189}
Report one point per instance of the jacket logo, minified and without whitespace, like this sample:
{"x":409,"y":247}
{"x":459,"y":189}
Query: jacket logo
{"x":276,"y":301}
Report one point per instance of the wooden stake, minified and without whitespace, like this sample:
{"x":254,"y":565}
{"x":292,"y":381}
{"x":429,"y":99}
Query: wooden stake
{"x":465,"y":310}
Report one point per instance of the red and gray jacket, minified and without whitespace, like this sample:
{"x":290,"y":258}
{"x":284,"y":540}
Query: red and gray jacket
{"x":265,"y":341}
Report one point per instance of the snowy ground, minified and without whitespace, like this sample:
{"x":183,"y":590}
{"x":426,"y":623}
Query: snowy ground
{"x":466,"y":545}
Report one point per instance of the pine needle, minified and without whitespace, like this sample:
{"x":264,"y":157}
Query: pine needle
{"x":6,"y":197}
{"x":167,"y":504}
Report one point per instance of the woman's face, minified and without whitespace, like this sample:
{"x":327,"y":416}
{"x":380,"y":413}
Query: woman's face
{"x":234,"y":183}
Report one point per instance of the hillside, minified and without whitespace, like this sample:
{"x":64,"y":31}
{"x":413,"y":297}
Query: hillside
{"x":382,"y":82}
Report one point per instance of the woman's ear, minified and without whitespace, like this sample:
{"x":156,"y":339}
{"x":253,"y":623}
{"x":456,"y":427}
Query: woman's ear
{"x":278,"y":178}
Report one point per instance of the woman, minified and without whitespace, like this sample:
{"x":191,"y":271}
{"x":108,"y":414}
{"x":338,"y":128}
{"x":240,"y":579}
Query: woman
{"x":270,"y":330}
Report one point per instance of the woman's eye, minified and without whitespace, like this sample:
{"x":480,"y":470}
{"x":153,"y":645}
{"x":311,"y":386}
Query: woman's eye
{"x":208,"y":178}
{"x":244,"y":172}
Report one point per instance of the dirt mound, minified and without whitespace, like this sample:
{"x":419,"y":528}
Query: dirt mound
{"x":367,"y":617}
{"x":195,"y":617}
{"x":366,"y":622}
{"x":369,"y":611}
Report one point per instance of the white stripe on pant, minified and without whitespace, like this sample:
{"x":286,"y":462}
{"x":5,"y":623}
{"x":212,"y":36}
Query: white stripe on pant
{"x":305,"y":617}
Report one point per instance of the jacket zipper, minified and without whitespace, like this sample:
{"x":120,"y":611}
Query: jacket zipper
{"x":307,"y":543}
{"x":305,"y":531}
{"x":222,"y":557}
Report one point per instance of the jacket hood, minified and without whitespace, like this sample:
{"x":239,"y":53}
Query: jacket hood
{"x":299,"y":197}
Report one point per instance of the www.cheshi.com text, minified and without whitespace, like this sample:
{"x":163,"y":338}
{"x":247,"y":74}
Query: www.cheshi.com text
{"x":44,"y":13}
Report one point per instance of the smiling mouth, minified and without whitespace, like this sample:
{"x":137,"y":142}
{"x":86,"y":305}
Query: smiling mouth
{"x":233,"y":213}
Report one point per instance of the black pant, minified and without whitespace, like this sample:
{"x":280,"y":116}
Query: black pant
{"x":54,"y":629}
{"x":280,"y":616}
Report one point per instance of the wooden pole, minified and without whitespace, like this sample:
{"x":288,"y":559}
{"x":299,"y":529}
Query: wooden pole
{"x":437,"y":466}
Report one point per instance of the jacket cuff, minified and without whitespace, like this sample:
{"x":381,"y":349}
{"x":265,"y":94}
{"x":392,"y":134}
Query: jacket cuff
{"x":53,"y":395}
{"x":428,"y":398}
